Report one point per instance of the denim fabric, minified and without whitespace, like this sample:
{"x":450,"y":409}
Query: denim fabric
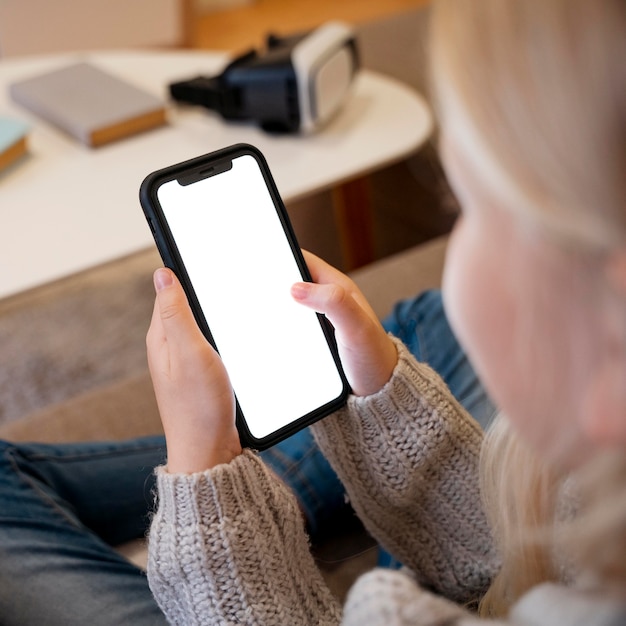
{"x":422,"y":325}
{"x":300,"y":464}
{"x":62,"y":507}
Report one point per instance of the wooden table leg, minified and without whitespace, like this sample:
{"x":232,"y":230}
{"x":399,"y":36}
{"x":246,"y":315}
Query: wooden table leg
{"x":188,"y":20}
{"x":355,"y":223}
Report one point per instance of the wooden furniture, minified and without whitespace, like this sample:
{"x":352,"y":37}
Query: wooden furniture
{"x":67,"y":208}
{"x":247,"y":26}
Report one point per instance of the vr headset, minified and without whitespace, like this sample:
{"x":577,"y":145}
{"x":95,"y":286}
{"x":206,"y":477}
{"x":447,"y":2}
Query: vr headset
{"x":296,"y":85}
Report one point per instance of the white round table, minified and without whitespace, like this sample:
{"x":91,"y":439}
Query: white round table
{"x":66,"y":208}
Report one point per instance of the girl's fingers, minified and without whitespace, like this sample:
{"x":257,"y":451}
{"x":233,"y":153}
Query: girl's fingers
{"x":350,"y":320}
{"x":367,"y":353}
{"x":323,"y":273}
{"x":192,"y":389}
{"x":175,"y":318}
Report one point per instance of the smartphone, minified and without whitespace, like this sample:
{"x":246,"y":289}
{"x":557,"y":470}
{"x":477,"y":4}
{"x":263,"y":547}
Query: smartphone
{"x":219,"y":223}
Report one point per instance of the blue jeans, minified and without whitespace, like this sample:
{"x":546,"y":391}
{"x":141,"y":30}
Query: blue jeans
{"x":62,"y":507}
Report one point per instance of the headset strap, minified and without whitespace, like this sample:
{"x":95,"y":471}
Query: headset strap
{"x":214,"y":93}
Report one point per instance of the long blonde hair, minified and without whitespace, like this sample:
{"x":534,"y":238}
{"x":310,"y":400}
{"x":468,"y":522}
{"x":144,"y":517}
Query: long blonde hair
{"x":550,"y":526}
{"x":543,"y":84}
{"x":519,"y":494}
{"x":540,"y":87}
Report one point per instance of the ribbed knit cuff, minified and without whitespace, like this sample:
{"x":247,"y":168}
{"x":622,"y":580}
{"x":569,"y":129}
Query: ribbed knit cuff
{"x":414,"y":394}
{"x":223,"y":491}
{"x":228,"y":546}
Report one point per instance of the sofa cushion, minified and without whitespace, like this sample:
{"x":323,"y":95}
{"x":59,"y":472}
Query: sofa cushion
{"x":121,"y":410}
{"x":126,"y":407}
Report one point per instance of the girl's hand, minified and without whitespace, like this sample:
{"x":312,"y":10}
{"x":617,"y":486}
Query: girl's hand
{"x":194,"y":395}
{"x":367,"y":353}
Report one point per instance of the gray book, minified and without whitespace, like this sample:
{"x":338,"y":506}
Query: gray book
{"x":90,"y":104}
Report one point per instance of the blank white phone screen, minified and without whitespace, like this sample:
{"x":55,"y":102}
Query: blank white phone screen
{"x":241,"y":266}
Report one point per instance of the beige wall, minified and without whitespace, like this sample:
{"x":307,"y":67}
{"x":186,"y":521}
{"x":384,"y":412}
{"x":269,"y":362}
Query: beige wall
{"x":38,"y":26}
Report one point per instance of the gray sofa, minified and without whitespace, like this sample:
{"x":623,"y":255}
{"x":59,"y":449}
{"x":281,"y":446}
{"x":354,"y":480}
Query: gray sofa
{"x":99,"y":388}
{"x":124,"y":406}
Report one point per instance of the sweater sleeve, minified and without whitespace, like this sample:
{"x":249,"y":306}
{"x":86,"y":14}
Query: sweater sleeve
{"x":391,"y":598}
{"x":228,"y":546}
{"x":408,"y":458}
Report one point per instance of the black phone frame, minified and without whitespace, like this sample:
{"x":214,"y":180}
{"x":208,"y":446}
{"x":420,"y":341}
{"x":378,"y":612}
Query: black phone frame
{"x":196,"y":169}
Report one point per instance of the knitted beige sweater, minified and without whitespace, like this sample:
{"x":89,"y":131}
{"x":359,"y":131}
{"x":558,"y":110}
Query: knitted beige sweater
{"x":228,"y":546}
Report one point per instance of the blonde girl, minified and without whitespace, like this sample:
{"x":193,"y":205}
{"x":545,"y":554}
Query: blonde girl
{"x":531,"y":97}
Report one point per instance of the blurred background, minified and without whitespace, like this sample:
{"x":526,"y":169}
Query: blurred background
{"x":410,"y":200}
